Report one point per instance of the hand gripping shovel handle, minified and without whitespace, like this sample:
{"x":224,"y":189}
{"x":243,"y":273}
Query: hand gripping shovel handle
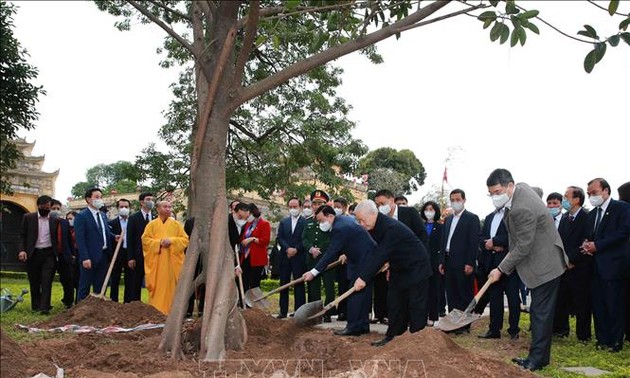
{"x":240,"y":278}
{"x":480,"y":294}
{"x":294,"y":282}
{"x":111,"y":264}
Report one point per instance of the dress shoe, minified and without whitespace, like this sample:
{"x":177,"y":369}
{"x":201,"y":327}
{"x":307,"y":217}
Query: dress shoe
{"x":461,"y":331}
{"x":384,"y":321}
{"x":382,"y":341}
{"x":281,"y":316}
{"x":347,"y":332}
{"x":342,"y":317}
{"x":531,"y":367}
{"x":561,"y":334}
{"x":45,"y":312}
{"x":514,"y":336}
{"x":490,"y":335}
{"x":327,"y":319}
{"x":520,"y":361}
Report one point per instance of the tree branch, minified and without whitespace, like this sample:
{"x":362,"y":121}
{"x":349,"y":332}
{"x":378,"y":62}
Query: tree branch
{"x":171,"y":10}
{"x":258,"y":139}
{"x":332,"y":53}
{"x":427,"y":22}
{"x":556,"y":29}
{"x":248,"y":41}
{"x":606,"y":9}
{"x":162,"y":25}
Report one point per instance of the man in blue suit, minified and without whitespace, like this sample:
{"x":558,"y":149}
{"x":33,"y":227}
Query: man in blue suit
{"x":95,"y":243}
{"x":350,"y":239}
{"x":608,"y":233}
{"x":292,"y":256}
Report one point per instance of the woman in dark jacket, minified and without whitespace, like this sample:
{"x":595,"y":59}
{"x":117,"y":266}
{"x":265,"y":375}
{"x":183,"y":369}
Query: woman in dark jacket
{"x":430,"y":213}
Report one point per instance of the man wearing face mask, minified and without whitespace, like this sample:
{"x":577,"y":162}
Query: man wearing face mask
{"x":574,"y":294}
{"x":135,"y":257}
{"x":95,"y":242}
{"x":607,"y":240}
{"x":315,"y":243}
{"x":63,"y":253}
{"x":536,"y":252}
{"x":37,"y":238}
{"x":238,"y":219}
{"x":554,"y":205}
{"x":346,"y":237}
{"x":119,"y":224}
{"x":460,"y":246}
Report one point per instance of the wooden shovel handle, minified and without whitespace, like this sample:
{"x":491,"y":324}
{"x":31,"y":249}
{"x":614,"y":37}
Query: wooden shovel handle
{"x":240,"y":278}
{"x":111,"y":264}
{"x":350,"y":291}
{"x":483,"y":289}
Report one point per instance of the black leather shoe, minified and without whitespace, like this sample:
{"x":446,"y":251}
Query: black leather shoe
{"x":461,"y":331}
{"x":327,"y":319}
{"x":561,"y":335}
{"x":347,"y":332}
{"x":384,"y":321}
{"x":514,"y":336}
{"x":490,"y":335}
{"x":342,"y":318}
{"x":531,"y":367}
{"x":281,"y":316}
{"x":520,"y":361}
{"x":382,"y":341}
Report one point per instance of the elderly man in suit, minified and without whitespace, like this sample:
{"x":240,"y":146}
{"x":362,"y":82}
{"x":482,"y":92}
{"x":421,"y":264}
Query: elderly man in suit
{"x":460,"y":246}
{"x":346,"y":237}
{"x":95,"y":243}
{"x":292,"y":256}
{"x":37,"y":238}
{"x":608,"y":233}
{"x":537,"y":254}
{"x":409,"y":268}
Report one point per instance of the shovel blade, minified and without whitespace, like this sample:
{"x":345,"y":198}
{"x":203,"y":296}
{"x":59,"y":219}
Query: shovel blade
{"x":457,"y":319}
{"x":253,"y":299}
{"x":302,"y":315}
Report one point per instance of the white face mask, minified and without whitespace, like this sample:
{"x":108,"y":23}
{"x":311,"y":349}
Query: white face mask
{"x":97,"y":203}
{"x":457,"y":206}
{"x":429,"y":214}
{"x":240,"y":222}
{"x":294,"y":212}
{"x":596,"y":200}
{"x":385,"y":209}
{"x":71,"y":222}
{"x":250,"y":218}
{"x":338,"y":211}
{"x":499,"y":200}
{"x":123,"y":211}
{"x":55,"y":213}
{"x":325,"y":226}
{"x":307,"y":212}
{"x":149,"y":204}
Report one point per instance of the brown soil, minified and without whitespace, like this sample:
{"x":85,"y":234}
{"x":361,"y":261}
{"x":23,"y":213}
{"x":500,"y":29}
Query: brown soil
{"x":274,"y":348}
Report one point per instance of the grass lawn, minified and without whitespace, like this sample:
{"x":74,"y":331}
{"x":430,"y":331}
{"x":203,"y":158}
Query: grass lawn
{"x":565,"y":352}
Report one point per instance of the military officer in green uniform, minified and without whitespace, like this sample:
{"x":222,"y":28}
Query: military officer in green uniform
{"x":315,"y":242}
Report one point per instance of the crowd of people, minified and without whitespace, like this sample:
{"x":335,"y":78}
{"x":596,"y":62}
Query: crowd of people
{"x":406,"y":267}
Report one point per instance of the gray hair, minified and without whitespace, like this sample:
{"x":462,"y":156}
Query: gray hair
{"x":367,"y":207}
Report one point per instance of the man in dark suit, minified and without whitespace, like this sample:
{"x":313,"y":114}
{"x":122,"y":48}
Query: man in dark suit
{"x":292,"y":257}
{"x":574,"y":295}
{"x":409,"y":216}
{"x":536,"y":253}
{"x":624,"y":195}
{"x":135,"y":257}
{"x":63,"y":253}
{"x":494,"y":247}
{"x":460,"y":243}
{"x":608,"y":233}
{"x":119,"y":224}
{"x":37,"y":238}
{"x":350,"y":239}
{"x":409,"y":268}
{"x":240,"y":213}
{"x":95,"y":243}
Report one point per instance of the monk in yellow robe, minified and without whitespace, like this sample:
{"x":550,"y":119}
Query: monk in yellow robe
{"x":163,"y":244}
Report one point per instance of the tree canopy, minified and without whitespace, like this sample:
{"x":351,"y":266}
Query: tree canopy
{"x":18,"y":94}
{"x":121,"y":177}
{"x":387,"y":168}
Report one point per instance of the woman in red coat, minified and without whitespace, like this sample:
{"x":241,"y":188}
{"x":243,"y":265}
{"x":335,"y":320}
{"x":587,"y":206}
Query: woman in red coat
{"x":254,"y":242}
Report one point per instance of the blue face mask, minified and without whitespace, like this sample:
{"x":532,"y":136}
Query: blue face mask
{"x":566,"y":204}
{"x":554,"y":211}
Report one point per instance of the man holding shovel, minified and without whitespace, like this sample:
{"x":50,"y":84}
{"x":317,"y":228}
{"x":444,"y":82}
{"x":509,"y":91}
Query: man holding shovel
{"x":537,"y":254}
{"x":348,"y":238}
{"x":409,"y":270}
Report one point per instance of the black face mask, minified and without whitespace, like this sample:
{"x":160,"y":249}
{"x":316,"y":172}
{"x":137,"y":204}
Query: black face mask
{"x":44,"y":212}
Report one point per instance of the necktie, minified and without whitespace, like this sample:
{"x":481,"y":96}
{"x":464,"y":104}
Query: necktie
{"x":100,"y":228}
{"x":146,"y":218}
{"x":598,"y":219}
{"x":571,"y":218}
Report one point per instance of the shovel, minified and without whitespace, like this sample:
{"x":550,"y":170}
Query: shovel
{"x":101,"y":295}
{"x":294,"y":282}
{"x":240,"y":280}
{"x":254,"y":298}
{"x":310,"y":313}
{"x":457,"y":318}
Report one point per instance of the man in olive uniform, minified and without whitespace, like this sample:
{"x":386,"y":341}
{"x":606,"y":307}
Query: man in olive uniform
{"x":315,"y":243}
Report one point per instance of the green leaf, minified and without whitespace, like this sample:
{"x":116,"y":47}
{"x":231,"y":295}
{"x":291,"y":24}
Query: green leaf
{"x":487,"y":23}
{"x":591,"y":32}
{"x":600,"y":48}
{"x":522,"y":36}
{"x":276,"y":42}
{"x":511,"y":8}
{"x":623,"y":25}
{"x":487,"y":14}
{"x":626,"y":37}
{"x":515,"y":21}
{"x":514,"y":38}
{"x":530,"y":13}
{"x":612,"y":6}
{"x":494,"y":3}
{"x":614,"y":40}
{"x":495,"y":33}
{"x":505,"y":33}
{"x":533,"y":28}
{"x":590,"y":60}
{"x":291,"y":4}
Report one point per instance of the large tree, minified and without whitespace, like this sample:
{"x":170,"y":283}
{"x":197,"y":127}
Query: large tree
{"x":391,"y":166}
{"x":18,"y":94}
{"x":120,"y":176}
{"x":221,"y":37}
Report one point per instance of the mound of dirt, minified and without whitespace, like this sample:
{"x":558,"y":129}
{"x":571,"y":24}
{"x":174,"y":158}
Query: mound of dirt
{"x":14,"y":363}
{"x":274,"y":348}
{"x":104,"y":313}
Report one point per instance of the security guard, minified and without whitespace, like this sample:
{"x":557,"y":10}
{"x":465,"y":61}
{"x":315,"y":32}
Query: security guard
{"x":315,"y":243}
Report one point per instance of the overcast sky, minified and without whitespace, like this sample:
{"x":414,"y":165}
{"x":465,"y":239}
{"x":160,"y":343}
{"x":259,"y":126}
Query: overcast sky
{"x":532,"y":109}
